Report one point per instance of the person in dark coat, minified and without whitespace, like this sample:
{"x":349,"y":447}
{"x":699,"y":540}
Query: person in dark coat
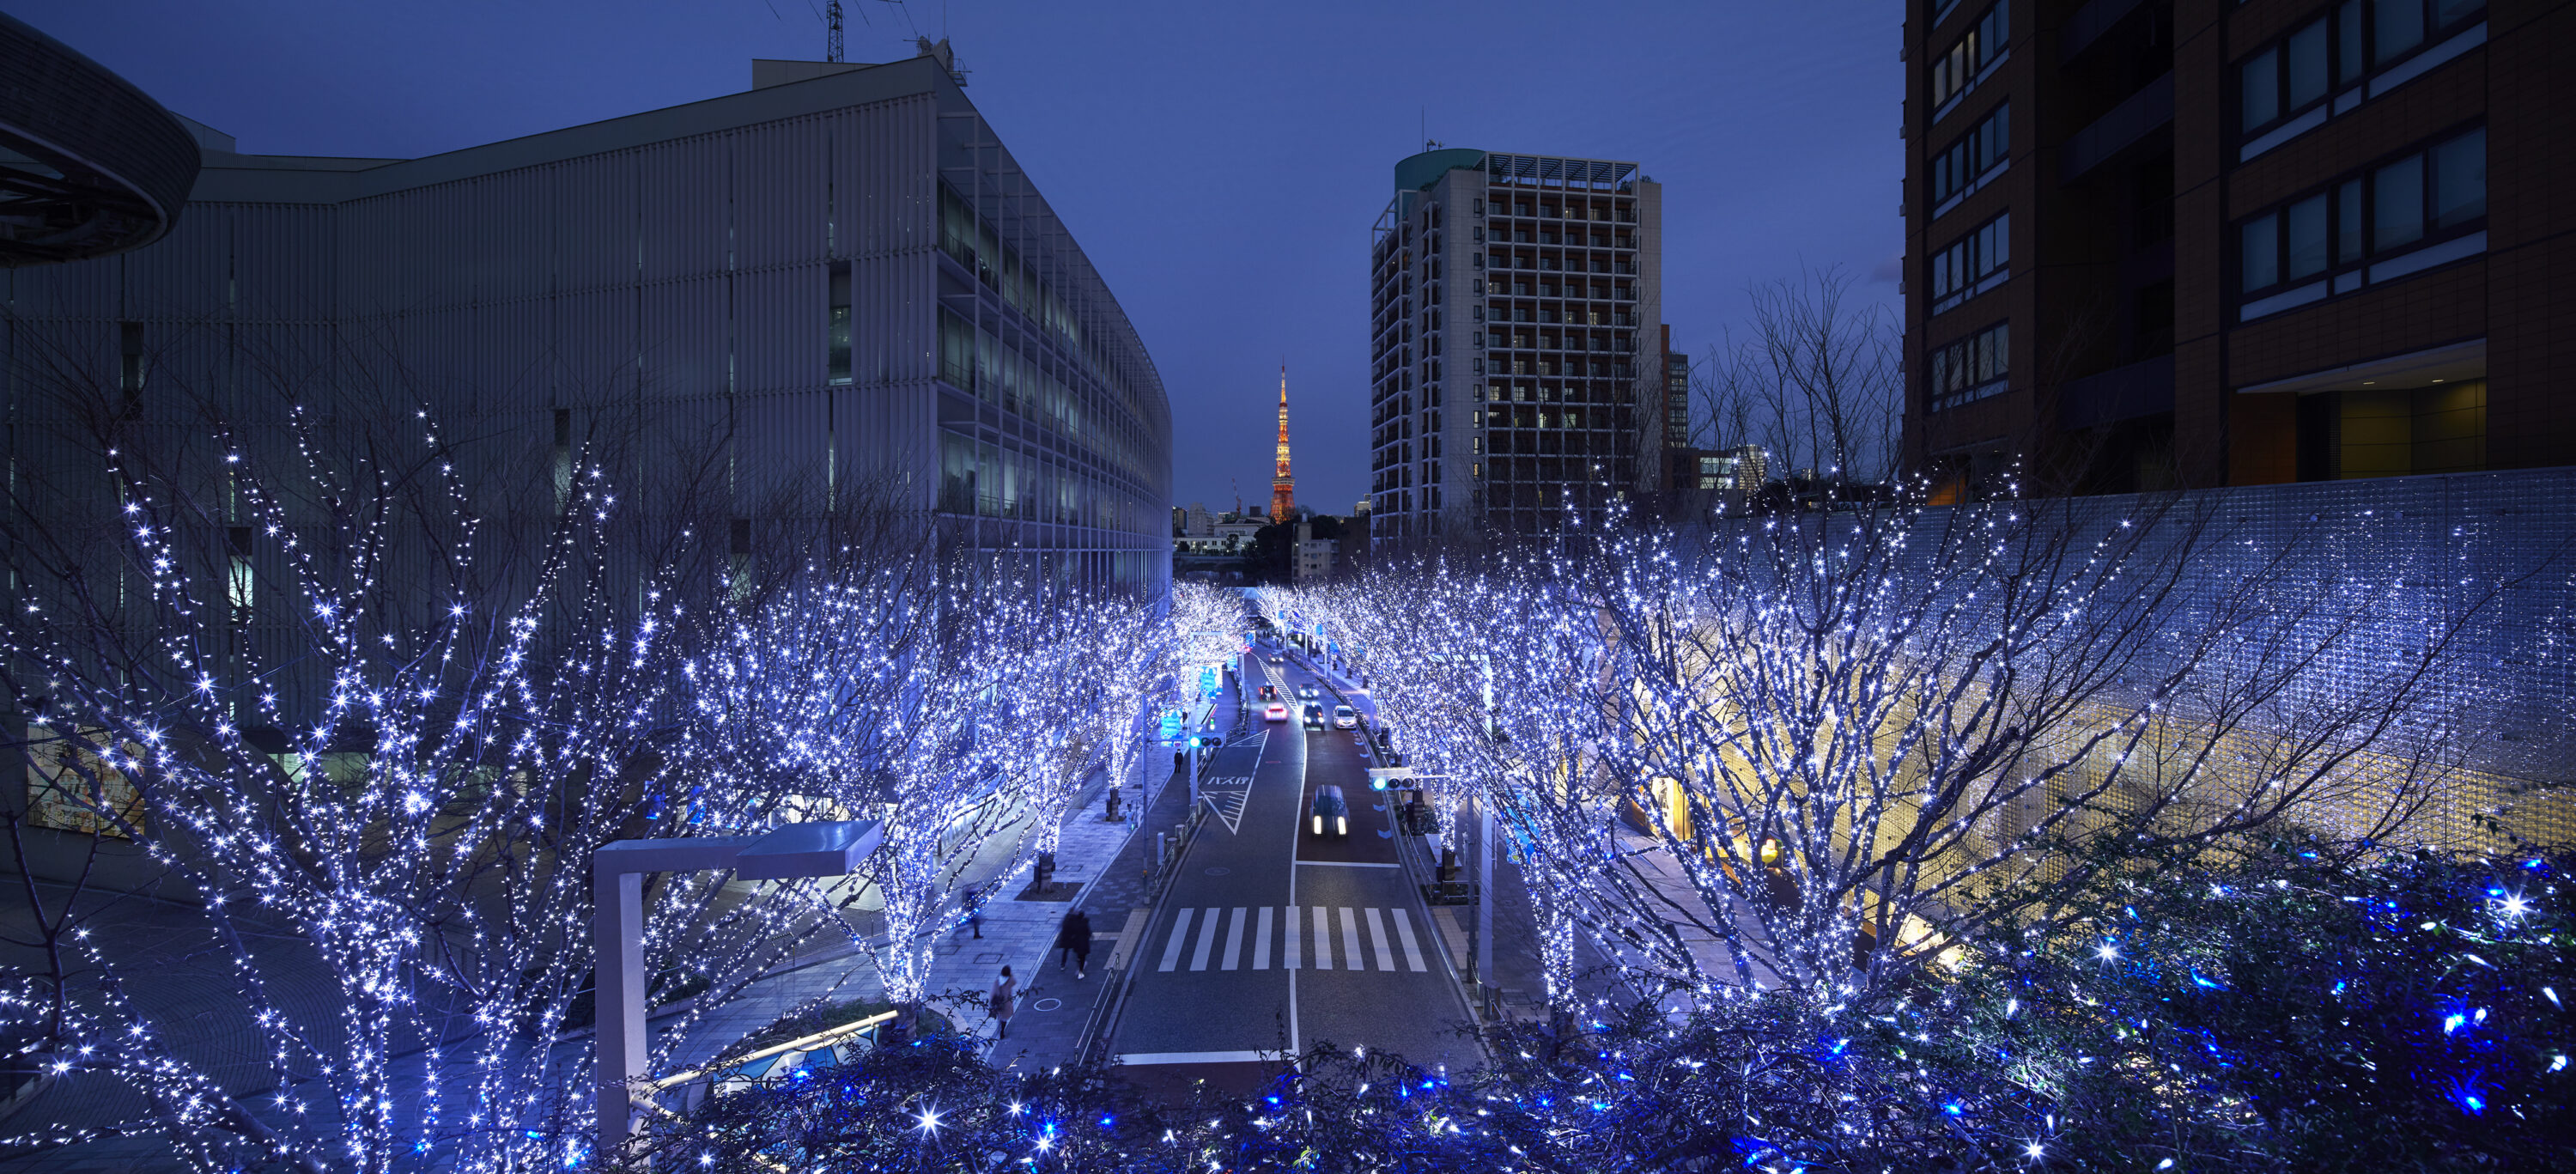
{"x":1074,"y":937}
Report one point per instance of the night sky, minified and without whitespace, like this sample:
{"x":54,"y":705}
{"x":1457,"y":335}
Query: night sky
{"x":1220,"y":160}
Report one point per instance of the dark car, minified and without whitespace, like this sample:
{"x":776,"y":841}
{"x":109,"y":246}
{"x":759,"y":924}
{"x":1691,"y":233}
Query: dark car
{"x":1329,"y":806}
{"x":1314,"y":716}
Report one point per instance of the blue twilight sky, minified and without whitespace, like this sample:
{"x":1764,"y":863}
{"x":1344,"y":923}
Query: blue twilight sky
{"x":1221,"y":160}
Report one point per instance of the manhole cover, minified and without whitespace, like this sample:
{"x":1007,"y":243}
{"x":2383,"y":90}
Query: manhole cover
{"x":987,"y":959}
{"x":1047,"y":1004}
{"x":1218,"y":871}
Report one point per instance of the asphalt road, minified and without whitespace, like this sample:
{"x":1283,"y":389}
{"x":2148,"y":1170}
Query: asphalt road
{"x":1273,"y":939}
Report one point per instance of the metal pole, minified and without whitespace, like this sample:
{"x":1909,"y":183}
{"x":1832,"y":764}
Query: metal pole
{"x":618,"y":922}
{"x":1485,"y":843}
{"x":1484,"y":882}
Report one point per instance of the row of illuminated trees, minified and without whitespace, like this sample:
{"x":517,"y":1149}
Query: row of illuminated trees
{"x":372,"y":771}
{"x":1822,"y":753}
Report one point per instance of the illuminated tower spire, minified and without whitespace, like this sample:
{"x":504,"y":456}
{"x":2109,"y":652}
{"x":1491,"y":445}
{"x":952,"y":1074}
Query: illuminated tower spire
{"x":1283,"y":487}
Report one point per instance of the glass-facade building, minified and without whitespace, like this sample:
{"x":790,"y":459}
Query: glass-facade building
{"x":839,"y":279}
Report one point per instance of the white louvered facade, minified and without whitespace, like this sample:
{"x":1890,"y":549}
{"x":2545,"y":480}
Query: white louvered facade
{"x":676,"y":270}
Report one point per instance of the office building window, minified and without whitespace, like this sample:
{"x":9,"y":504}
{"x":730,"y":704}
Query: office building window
{"x":837,"y":327}
{"x":1975,"y":153}
{"x":1970,"y":369}
{"x":240,"y":585}
{"x":1956,"y":71}
{"x":2292,"y":76}
{"x":2418,"y":199}
{"x":131,"y":364}
{"x":1972,"y":264}
{"x":563,"y":459}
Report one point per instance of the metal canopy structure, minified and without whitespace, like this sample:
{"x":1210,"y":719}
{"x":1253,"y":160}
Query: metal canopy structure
{"x":788,"y":852}
{"x":89,"y":165}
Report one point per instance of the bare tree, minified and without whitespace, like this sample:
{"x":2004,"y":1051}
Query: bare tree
{"x":1866,"y":738}
{"x":373,"y":690}
{"x":1817,"y":382}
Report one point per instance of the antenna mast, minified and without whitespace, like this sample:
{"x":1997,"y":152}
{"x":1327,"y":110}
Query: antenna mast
{"x":832,"y":23}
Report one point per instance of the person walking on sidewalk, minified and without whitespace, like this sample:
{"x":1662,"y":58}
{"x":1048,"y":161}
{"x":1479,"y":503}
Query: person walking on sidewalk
{"x":1005,"y":1002}
{"x":1074,"y":937}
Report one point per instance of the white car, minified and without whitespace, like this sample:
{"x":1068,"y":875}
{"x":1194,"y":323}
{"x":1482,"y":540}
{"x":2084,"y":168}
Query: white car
{"x":1276,"y":711}
{"x":1345,"y":718}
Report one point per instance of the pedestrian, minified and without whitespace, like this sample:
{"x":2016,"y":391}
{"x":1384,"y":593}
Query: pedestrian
{"x":1005,"y":1001}
{"x":975,"y":911}
{"x":1074,"y":937}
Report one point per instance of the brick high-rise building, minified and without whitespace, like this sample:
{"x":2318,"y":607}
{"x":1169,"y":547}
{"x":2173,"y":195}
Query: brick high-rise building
{"x":2228,"y":242}
{"x":1553,"y":399}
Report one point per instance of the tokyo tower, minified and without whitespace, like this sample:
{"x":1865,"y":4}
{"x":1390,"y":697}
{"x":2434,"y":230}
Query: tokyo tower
{"x":1283,"y":487}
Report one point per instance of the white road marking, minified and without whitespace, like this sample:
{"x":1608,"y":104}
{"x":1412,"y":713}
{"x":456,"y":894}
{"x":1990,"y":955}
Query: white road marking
{"x":1323,"y":938}
{"x":1352,"y":959}
{"x":1377,"y":940}
{"x":1261,"y":940}
{"x":1404,"y":933}
{"x":1345,"y":864}
{"x":1233,"y":940}
{"x":1180,"y":933}
{"x":1295,"y":937}
{"x":1207,"y":938}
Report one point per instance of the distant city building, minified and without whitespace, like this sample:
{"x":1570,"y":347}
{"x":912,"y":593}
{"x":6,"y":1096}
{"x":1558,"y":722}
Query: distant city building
{"x":1313,"y":557}
{"x":1235,"y":533}
{"x":1736,"y":470}
{"x":1677,"y":430}
{"x":1197,"y":531}
{"x":2191,"y":243}
{"x":839,"y":277}
{"x":1752,"y":466}
{"x":1544,"y":405}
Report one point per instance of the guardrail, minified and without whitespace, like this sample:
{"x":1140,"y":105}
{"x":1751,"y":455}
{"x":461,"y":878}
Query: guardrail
{"x":715,"y":1077}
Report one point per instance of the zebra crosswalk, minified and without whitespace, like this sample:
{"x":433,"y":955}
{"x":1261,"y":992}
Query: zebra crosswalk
{"x":1307,"y":938}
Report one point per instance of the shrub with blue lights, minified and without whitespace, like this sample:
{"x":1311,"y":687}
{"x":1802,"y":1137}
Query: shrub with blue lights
{"x":2301,"y":1008}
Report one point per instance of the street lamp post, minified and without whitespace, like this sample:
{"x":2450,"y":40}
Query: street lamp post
{"x":617,"y":892}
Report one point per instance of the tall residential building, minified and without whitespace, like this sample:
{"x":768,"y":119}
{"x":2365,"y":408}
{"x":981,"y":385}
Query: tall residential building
{"x":1549,"y":407}
{"x":1283,"y":485}
{"x":2230,"y":242}
{"x":840,"y":278}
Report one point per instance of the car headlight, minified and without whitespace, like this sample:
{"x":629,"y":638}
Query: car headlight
{"x":1319,"y":825}
{"x":1341,"y":826}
